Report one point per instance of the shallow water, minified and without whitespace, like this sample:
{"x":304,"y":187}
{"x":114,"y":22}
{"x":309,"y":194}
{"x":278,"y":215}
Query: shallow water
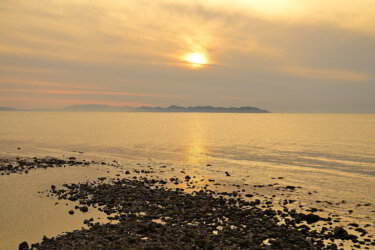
{"x":329,"y":148}
{"x":27,"y":214}
{"x":331,"y":154}
{"x":345,"y":143}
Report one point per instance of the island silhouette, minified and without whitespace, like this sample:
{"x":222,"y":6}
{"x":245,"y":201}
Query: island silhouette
{"x":172,"y":108}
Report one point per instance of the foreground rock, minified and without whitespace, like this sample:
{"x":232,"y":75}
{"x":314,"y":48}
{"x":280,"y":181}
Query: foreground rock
{"x":150,"y":216}
{"x":18,"y":165}
{"x":23,"y":246}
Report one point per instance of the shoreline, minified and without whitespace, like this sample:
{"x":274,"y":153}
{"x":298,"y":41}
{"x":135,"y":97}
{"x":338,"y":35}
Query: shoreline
{"x":186,"y":184}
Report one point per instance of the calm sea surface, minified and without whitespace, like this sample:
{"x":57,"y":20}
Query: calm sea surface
{"x":317,"y":142}
{"x":320,"y":148}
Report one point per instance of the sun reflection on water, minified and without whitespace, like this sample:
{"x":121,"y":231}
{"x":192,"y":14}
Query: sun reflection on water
{"x":196,"y":151}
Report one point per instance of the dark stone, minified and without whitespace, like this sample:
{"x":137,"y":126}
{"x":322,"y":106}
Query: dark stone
{"x":340,"y":233}
{"x":132,"y":240}
{"x":354,"y":225}
{"x":84,"y":209}
{"x":23,"y":246}
{"x":313,"y":210}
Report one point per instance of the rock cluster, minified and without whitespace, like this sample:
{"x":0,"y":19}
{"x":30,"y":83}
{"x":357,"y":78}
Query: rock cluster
{"x":184,"y":212}
{"x":149,"y":215}
{"x":19,"y":165}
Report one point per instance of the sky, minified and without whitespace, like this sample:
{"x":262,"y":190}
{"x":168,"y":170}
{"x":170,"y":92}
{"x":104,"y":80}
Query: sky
{"x":281,"y":55}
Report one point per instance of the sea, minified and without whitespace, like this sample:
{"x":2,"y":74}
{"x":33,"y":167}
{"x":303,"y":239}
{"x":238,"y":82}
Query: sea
{"x":331,"y":156}
{"x":325,"y":149}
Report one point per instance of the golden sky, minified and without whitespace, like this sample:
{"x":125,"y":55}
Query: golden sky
{"x":282,"y":55}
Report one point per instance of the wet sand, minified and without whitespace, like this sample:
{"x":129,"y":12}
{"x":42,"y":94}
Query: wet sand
{"x":31,"y":209}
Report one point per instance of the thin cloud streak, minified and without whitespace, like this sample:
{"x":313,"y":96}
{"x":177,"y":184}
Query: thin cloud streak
{"x":56,"y":103}
{"x":79,"y":92}
{"x":27,"y":82}
{"x":332,"y":74}
{"x":28,"y":70}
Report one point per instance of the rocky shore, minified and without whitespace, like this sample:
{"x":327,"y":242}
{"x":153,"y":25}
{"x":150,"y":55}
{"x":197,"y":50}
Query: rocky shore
{"x":147,"y":210}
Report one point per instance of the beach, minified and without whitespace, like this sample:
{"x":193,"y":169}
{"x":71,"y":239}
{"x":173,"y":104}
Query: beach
{"x":72,"y":203}
{"x":263,"y":167}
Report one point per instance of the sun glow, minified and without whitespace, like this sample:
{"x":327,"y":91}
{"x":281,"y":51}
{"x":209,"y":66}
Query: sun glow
{"x":196,"y":59}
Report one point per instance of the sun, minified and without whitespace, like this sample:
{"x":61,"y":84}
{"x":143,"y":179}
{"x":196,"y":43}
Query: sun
{"x":196,"y":59}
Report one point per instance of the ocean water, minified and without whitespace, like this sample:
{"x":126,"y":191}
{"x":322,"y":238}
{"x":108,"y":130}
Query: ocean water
{"x":331,"y":156}
{"x":333,"y":151}
{"x":335,"y":143}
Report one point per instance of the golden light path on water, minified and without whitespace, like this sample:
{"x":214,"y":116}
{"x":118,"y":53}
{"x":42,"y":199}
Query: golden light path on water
{"x":196,"y":151}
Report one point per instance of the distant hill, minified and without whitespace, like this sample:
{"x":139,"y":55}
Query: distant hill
{"x":26,"y":110}
{"x":173,"y":108}
{"x":7,"y":109}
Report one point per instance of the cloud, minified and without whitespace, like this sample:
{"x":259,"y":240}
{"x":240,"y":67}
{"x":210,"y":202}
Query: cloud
{"x":28,"y":70}
{"x":28,"y":82}
{"x":257,"y":50}
{"x":347,"y":14}
{"x":321,"y":73}
{"x":79,"y":92}
{"x":22,"y":102}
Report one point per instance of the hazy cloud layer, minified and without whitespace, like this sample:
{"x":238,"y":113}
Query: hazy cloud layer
{"x":285,"y":56}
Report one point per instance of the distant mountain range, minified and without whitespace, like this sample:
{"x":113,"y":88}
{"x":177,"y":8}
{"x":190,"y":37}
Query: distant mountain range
{"x":173,"y":108}
{"x":7,"y":109}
